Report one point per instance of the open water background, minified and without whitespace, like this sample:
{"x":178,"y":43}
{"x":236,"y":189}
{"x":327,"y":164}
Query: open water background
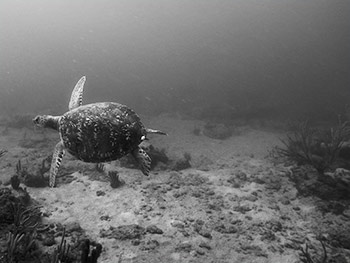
{"x":286,"y":58}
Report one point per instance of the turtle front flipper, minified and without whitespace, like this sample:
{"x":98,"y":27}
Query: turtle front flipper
{"x":55,"y":163}
{"x":143,"y":160}
{"x":76,"y":98}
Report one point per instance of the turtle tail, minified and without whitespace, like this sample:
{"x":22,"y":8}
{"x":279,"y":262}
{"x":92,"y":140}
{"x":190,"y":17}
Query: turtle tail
{"x":156,"y":132}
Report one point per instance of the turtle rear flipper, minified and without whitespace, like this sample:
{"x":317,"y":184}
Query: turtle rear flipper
{"x":55,"y":163}
{"x":156,"y":131}
{"x":143,"y":160}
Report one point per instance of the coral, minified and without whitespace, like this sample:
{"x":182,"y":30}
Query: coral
{"x":114,"y":179}
{"x":12,"y":244}
{"x":72,"y":247}
{"x":8,"y":201}
{"x":21,"y":171}
{"x":90,"y":251}
{"x":13,"y":209}
{"x":183,"y":163}
{"x":157,"y":155}
{"x":61,"y":253}
{"x":24,"y":219}
{"x":24,"y":241}
{"x":100,"y":167}
{"x":316,"y":147}
{"x":15,"y":182}
{"x":21,"y":236}
{"x":19,"y":246}
{"x":45,"y":165}
{"x":124,"y":232}
{"x":2,"y":152}
{"x":37,"y":179}
{"x":306,"y":257}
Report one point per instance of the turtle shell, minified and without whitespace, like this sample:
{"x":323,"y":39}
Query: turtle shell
{"x":101,"y":132}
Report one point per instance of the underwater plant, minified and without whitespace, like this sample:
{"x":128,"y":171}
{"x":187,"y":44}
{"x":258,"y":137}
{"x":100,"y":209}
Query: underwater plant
{"x":317,"y":147}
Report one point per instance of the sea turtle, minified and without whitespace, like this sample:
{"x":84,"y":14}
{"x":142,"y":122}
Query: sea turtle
{"x":96,"y":132}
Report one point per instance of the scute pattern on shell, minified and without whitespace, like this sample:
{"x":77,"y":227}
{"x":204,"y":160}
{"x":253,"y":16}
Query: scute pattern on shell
{"x":101,"y":132}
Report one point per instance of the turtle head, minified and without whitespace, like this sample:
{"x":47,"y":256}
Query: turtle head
{"x":40,"y":120}
{"x":46,"y":121}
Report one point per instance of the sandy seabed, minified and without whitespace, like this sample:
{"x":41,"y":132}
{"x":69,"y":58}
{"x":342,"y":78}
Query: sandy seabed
{"x":233,"y":205}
